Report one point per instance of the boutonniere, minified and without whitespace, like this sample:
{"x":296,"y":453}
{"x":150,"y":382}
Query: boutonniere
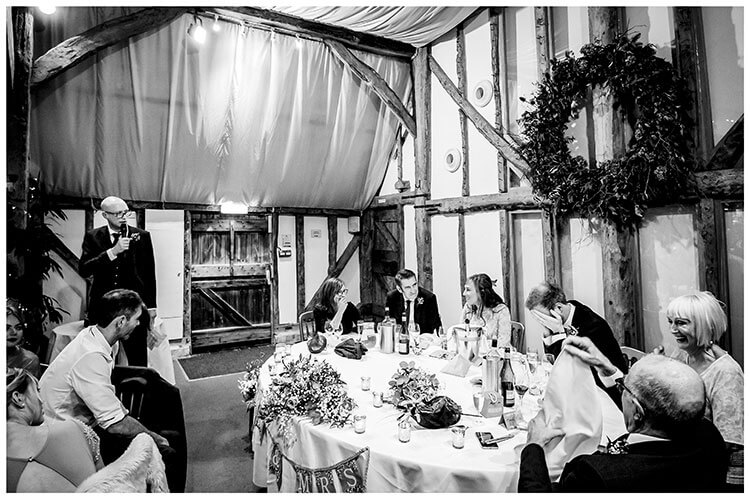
{"x":420,"y":301}
{"x":135,"y":237}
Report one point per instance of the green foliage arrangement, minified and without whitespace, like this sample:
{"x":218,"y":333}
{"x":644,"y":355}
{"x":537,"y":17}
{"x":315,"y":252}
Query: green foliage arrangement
{"x":657,"y":164}
{"x":304,"y":387}
{"x":411,"y":385}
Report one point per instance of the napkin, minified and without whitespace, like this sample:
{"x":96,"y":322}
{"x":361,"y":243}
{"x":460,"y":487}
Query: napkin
{"x":350,"y":349}
{"x":572,"y":404}
{"x":458,"y":366}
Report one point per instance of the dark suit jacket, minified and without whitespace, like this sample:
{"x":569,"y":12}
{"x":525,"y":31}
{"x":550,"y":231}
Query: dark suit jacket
{"x":697,"y":463}
{"x":594,"y":327}
{"x":348,"y":319}
{"x":426,"y":314}
{"x":133,"y":270}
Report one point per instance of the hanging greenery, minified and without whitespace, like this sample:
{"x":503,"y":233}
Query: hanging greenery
{"x":657,"y":164}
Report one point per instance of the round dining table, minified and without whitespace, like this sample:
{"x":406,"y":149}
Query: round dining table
{"x":428,"y":462}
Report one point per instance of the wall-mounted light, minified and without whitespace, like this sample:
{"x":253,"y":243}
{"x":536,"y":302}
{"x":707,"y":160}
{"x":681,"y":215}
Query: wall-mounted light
{"x":48,"y":9}
{"x":196,"y":30}
{"x":216,"y":25}
{"x":233,"y":208}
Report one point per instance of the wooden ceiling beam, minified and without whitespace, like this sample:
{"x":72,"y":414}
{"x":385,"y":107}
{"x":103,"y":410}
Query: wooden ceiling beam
{"x":376,"y":82}
{"x":484,"y":127}
{"x":730,"y":148}
{"x":256,"y":17}
{"x":78,"y":48}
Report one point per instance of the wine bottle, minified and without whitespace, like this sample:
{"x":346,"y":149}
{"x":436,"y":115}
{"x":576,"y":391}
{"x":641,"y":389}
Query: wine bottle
{"x":403,"y":337}
{"x":508,"y":381}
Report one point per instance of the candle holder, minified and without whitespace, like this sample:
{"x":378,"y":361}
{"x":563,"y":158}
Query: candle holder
{"x":360,"y":423}
{"x":458,"y":436}
{"x":377,"y":399}
{"x":404,"y":431}
{"x":365,"y":383}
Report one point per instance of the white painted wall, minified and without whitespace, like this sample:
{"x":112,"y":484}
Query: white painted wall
{"x":316,"y":255}
{"x":656,"y":25}
{"x":287,"y":270}
{"x":669,"y":263}
{"x":582,"y":265}
{"x":528,"y":269}
{"x":167,"y":228}
{"x":446,"y":278}
{"x":734,"y":223}
{"x":483,"y":247}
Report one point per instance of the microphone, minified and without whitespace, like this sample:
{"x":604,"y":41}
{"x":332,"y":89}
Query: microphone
{"x":123,"y":229}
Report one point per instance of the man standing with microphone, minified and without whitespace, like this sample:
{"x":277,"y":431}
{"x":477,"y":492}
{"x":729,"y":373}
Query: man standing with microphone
{"x":118,"y":255}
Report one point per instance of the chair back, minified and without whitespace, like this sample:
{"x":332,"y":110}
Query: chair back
{"x":631,"y":355}
{"x":306,"y":325}
{"x":517,"y":336}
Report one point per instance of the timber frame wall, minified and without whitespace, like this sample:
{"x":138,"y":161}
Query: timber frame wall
{"x":719,"y":179}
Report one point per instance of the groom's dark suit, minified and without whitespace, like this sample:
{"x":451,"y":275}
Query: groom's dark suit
{"x":425,"y":309}
{"x":134,"y":269}
{"x":697,"y":463}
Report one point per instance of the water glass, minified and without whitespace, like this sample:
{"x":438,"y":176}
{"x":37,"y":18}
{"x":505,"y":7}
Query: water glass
{"x":404,"y":431}
{"x":360,"y":423}
{"x":478,"y":399}
{"x":414,"y":334}
{"x":365,"y":383}
{"x":377,"y":399}
{"x":458,"y":433}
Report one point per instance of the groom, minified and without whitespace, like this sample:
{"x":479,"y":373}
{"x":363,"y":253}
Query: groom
{"x":419,"y":304}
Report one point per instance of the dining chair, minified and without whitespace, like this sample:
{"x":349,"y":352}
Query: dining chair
{"x":517,"y":336}
{"x":306,"y":325}
{"x":631,"y":355}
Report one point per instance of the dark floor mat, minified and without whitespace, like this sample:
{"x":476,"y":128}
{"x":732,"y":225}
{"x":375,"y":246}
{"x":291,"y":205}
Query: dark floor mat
{"x":209,"y":364}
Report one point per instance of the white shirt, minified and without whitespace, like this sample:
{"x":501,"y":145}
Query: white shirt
{"x":77,"y":384}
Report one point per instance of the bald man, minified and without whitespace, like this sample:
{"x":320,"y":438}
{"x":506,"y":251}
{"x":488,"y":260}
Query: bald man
{"x":670,"y":447}
{"x":118,"y":255}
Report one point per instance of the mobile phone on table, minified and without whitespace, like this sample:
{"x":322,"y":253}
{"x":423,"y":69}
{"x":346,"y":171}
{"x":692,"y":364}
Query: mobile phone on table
{"x":483,"y":437}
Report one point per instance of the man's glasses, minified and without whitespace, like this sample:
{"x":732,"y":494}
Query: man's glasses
{"x":620,"y":383}
{"x":343,"y":292}
{"x":118,"y":214}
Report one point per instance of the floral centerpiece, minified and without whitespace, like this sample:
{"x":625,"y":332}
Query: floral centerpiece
{"x":410,"y":385}
{"x":248,"y":384}
{"x":304,"y":387}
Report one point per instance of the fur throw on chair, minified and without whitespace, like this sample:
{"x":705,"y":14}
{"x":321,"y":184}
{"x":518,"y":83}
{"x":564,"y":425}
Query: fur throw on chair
{"x":139,"y":469}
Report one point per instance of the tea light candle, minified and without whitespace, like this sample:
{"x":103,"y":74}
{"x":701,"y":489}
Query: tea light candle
{"x":458,"y":433}
{"x":365,"y":383}
{"x":404,"y":431}
{"x":377,"y":399}
{"x":360,"y":422}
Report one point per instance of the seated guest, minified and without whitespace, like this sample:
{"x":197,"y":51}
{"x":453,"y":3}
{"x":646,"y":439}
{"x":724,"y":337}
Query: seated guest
{"x":17,"y":356}
{"x":486,"y":308}
{"x":697,"y":321}
{"x":420,"y":305}
{"x":333,"y":312}
{"x":77,"y":384}
{"x":44,"y":456}
{"x":562,"y":317}
{"x":670,"y":446}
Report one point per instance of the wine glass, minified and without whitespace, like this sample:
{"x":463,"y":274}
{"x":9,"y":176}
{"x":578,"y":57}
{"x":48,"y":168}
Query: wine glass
{"x":523,"y":379}
{"x":443,"y":335}
{"x":414,"y":335}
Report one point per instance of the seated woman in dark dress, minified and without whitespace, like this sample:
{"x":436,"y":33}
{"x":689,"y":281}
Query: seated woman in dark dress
{"x":333,"y":312}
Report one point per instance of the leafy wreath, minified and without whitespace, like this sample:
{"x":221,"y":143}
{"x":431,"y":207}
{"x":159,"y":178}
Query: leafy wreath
{"x":657,"y":165}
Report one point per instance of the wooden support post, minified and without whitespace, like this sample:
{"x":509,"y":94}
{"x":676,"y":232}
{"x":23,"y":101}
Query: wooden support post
{"x":689,"y":54}
{"x":88,"y":218}
{"x":333,"y":241}
{"x":497,"y":47}
{"x":462,"y":248}
{"x":274,"y":273}
{"x":299,"y":239}
{"x":707,"y":246}
{"x":464,"y":126}
{"x":18,"y":102}
{"x":541,"y":26}
{"x":551,"y":248}
{"x":140,"y":218}
{"x":505,"y":262}
{"x":187,"y":280}
{"x":618,"y":247}
{"x":366,"y":291}
{"x":422,"y":144}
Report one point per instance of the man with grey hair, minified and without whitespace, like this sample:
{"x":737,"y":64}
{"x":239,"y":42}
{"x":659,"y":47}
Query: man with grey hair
{"x":118,"y":255}
{"x":670,"y":447}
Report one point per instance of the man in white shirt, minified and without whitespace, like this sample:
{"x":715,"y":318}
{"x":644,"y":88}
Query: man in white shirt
{"x":77,"y":384}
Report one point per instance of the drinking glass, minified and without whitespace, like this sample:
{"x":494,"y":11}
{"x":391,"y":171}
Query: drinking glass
{"x":458,"y":432}
{"x":523,"y":379}
{"x":478,"y":396}
{"x":532,"y":358}
{"x":414,"y":335}
{"x":443,"y":335}
{"x":360,"y":422}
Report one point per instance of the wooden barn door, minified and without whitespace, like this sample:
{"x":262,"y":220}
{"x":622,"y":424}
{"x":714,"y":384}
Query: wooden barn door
{"x":387,"y":250}
{"x":230,"y":279}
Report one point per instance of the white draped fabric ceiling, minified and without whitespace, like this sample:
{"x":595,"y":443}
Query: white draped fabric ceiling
{"x":251,"y":116}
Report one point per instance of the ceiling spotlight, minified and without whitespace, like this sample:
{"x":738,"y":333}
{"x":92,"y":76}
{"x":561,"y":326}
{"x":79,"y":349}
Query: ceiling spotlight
{"x":196,"y":31}
{"x":217,"y":26}
{"x":47,"y":9}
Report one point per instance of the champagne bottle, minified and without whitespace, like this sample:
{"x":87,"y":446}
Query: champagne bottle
{"x":403,"y":337}
{"x":508,"y":381}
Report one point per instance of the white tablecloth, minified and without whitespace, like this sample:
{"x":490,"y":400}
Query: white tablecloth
{"x":428,"y":463}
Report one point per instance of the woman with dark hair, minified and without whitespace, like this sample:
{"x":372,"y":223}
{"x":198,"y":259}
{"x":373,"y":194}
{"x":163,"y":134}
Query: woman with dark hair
{"x":485,"y":308}
{"x":15,"y":328}
{"x":333,"y":312}
{"x":44,"y":456}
